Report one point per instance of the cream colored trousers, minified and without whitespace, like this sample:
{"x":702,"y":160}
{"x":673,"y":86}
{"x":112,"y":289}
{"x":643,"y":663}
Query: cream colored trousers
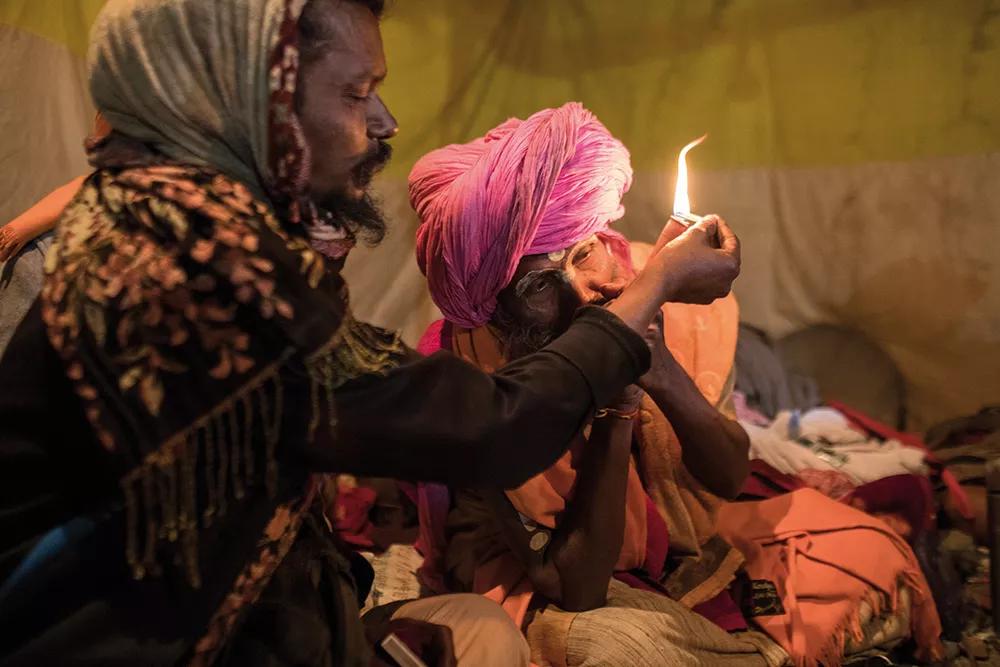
{"x":483,"y":634}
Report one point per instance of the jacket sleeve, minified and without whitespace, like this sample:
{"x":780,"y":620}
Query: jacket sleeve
{"x":442,"y":419}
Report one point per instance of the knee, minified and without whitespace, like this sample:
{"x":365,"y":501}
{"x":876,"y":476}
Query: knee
{"x":486,"y":635}
{"x":482,"y":632}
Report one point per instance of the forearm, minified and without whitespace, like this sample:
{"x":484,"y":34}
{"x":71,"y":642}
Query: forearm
{"x":42,"y":217}
{"x":441,"y":419}
{"x":639,"y":303}
{"x":714,"y":448}
{"x":655,"y":285}
{"x":586,"y":546}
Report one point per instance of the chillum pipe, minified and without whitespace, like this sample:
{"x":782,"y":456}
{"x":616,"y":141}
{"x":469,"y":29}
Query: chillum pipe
{"x":686,"y":219}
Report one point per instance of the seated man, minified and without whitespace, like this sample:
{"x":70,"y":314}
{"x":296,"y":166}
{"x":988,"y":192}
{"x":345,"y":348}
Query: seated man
{"x":615,"y":544}
{"x":23,"y":244}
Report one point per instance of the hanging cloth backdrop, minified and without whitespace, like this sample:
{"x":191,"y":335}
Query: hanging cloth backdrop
{"x":853,"y":146}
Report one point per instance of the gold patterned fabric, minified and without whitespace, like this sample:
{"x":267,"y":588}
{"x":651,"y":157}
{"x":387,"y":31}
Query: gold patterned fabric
{"x":174,"y":298}
{"x":181,"y":309}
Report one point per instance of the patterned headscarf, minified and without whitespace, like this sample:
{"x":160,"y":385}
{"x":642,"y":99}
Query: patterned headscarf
{"x":211,"y":84}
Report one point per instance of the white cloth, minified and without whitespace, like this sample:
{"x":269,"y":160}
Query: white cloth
{"x":822,"y":439}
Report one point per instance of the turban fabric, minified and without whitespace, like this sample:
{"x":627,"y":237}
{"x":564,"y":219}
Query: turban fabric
{"x":527,"y":187}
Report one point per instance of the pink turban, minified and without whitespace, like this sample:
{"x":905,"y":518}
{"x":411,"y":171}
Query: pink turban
{"x":527,"y":187}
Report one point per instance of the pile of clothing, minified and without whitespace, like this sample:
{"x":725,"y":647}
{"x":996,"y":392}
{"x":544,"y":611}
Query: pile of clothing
{"x":929,"y":489}
{"x":798,"y":442}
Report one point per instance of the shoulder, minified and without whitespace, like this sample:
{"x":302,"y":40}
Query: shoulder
{"x":164,"y":268}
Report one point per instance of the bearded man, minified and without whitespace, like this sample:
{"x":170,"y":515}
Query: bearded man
{"x":192,"y":360}
{"x":615,"y":544}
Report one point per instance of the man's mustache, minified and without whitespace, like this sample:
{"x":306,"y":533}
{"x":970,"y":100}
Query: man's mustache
{"x":373,"y":162}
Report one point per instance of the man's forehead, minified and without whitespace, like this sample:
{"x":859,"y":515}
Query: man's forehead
{"x":552,"y":259}
{"x":530,"y":263}
{"x":354,"y":39}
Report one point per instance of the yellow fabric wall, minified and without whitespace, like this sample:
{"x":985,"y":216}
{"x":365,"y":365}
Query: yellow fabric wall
{"x":855,"y":146}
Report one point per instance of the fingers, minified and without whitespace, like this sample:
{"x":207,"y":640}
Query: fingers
{"x":705,"y":231}
{"x":728,"y":241}
{"x":700,"y":233}
{"x":708,"y":225}
{"x":670,"y":231}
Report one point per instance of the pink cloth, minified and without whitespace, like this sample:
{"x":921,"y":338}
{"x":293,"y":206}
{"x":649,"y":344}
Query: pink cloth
{"x":433,"y":339}
{"x":433,"y":501}
{"x":825,"y":558}
{"x":527,"y":187}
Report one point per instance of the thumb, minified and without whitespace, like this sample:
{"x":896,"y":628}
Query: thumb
{"x":728,"y":241}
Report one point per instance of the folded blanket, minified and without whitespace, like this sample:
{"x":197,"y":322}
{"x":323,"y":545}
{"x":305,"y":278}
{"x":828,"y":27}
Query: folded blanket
{"x":823,"y":559}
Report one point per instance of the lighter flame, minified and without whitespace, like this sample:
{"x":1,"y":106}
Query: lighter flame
{"x":682,"y":205}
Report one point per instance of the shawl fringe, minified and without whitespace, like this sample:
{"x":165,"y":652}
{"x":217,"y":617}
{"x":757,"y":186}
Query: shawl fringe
{"x":162,"y":503}
{"x":161,"y":495}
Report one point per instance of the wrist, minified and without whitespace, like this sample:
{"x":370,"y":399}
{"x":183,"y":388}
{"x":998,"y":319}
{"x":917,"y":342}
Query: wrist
{"x":659,"y":381}
{"x":622,"y":413}
{"x":667,"y":275}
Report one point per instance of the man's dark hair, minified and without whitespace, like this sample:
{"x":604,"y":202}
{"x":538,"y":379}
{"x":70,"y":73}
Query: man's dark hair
{"x":315,"y":30}
{"x":376,"y":6}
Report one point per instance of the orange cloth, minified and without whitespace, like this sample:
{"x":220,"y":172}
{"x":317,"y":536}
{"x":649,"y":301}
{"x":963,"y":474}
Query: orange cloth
{"x":703,"y":340}
{"x":826,"y":558}
{"x":543,"y":497}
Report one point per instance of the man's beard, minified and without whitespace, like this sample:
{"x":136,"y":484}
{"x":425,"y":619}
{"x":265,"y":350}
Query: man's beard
{"x":362,"y":217}
{"x":520,"y":339}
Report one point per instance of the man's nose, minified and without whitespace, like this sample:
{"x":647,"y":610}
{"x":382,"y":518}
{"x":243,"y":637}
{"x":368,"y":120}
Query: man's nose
{"x":601,"y":290}
{"x":381,"y":123}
